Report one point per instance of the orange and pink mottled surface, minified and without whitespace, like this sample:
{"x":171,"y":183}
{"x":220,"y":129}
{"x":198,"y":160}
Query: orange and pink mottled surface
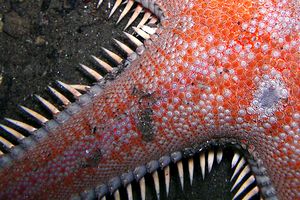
{"x":218,"y":69}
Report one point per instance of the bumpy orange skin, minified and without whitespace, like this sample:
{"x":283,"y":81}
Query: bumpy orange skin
{"x":217,"y":69}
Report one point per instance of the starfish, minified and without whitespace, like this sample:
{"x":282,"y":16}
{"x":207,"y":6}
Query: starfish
{"x":214,"y":74}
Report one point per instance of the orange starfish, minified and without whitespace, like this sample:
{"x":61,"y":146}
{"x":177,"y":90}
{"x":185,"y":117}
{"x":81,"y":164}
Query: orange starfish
{"x":214,"y":69}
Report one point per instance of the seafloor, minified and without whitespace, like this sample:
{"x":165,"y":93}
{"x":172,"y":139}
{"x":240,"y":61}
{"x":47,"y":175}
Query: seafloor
{"x":44,"y":40}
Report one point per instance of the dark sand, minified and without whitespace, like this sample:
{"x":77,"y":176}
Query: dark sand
{"x":41,"y":43}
